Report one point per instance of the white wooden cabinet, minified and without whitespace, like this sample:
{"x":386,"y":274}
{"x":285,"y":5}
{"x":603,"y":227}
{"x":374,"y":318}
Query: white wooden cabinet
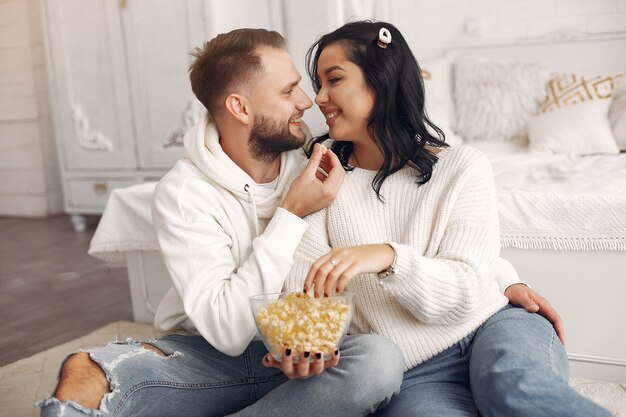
{"x":121,"y":97}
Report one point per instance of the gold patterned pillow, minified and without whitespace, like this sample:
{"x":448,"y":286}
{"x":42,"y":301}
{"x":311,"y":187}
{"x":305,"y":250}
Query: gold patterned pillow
{"x":573,"y":117}
{"x":571,"y":89}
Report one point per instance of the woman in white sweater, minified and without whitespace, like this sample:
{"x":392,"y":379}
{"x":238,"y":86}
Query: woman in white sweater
{"x":414,"y":233}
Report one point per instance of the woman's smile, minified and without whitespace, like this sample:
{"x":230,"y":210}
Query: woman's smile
{"x":331,"y":116}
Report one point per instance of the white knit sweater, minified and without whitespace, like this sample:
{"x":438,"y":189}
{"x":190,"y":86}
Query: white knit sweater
{"x":446,"y":238}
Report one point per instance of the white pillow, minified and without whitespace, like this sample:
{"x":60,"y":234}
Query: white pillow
{"x":573,"y":118}
{"x":495,"y":98}
{"x":437,"y":75}
{"x":617,"y":114}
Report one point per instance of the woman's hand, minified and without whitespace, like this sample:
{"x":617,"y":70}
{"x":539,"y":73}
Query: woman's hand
{"x":304,"y":368}
{"x":333,"y":270}
{"x":523,"y":296}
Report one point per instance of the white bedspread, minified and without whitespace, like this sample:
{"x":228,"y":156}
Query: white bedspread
{"x":559,"y":201}
{"x":126,"y":225}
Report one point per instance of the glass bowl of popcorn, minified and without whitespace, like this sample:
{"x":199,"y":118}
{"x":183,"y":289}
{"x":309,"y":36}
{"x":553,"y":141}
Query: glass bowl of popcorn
{"x":301,"y":322}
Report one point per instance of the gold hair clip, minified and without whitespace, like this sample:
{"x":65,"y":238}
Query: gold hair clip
{"x":384,"y":38}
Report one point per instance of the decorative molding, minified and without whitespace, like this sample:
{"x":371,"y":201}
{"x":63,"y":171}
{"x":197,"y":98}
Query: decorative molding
{"x":572,"y":35}
{"x":88,"y":140}
{"x":192,"y":114}
{"x":606,"y":360}
{"x":552,"y":38}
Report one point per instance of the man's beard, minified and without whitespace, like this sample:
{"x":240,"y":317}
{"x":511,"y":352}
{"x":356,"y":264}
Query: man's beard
{"x":270,"y":138}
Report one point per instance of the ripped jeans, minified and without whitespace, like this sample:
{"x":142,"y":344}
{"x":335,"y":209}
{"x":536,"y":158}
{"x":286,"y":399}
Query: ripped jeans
{"x":195,"y":379}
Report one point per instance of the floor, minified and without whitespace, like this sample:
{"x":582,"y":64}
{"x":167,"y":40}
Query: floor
{"x":51,"y":291}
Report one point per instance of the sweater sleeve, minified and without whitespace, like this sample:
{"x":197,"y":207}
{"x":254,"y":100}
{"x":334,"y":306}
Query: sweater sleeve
{"x":313,"y":245}
{"x":506,"y":275}
{"x":214,"y":288}
{"x":447,"y":287}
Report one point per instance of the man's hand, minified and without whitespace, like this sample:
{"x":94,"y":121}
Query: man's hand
{"x":304,"y":368}
{"x":314,"y":190}
{"x":522,"y":296}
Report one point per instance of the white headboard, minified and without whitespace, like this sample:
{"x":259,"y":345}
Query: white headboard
{"x":587,"y":55}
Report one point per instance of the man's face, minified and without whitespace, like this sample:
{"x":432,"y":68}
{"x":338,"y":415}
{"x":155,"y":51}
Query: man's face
{"x":279,"y":104}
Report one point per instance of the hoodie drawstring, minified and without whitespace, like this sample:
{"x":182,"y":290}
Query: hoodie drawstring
{"x":246,"y":188}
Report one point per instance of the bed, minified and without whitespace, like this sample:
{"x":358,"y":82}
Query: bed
{"x":571,"y":249}
{"x":563,"y":208}
{"x":563,"y":216}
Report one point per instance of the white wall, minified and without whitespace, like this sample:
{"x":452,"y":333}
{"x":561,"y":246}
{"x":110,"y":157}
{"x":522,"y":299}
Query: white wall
{"x":29,"y":174}
{"x":432,"y":26}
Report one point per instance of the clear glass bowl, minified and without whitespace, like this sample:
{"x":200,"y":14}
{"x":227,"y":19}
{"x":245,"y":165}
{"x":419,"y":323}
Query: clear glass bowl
{"x":301,"y":322}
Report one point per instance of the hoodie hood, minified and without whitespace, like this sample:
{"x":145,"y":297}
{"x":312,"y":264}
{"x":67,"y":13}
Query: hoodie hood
{"x":203,"y":148}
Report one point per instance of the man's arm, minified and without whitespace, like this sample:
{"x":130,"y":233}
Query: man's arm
{"x":198,"y":246}
{"x":312,"y":190}
{"x":214,"y":284}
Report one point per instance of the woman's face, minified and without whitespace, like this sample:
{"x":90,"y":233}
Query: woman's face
{"x":344,"y":98}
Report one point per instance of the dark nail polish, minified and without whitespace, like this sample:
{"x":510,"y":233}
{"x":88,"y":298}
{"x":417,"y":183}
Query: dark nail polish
{"x":307,"y":354}
{"x":336,"y":352}
{"x":287,"y":352}
{"x":318,"y":356}
{"x":326,"y":295}
{"x":304,"y":290}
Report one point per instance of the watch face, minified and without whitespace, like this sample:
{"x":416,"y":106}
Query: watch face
{"x":384,"y":274}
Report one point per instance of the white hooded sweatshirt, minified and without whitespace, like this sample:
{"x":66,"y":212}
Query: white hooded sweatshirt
{"x":223,"y":240}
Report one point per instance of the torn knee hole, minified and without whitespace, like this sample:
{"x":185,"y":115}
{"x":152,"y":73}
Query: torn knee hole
{"x":81,"y":364}
{"x":152,"y":348}
{"x":83,"y":381}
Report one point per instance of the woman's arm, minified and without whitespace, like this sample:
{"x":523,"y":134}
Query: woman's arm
{"x":446,"y":286}
{"x":521,"y":295}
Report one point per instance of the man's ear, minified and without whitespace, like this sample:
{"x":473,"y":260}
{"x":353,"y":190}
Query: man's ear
{"x":239,"y":107}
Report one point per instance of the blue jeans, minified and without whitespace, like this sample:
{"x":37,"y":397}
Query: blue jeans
{"x":194,"y":379}
{"x":513,"y":365}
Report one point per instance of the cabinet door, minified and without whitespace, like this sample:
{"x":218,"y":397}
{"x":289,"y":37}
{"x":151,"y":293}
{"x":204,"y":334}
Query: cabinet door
{"x":159,"y":37}
{"x":90,"y":97}
{"x":160,"y":34}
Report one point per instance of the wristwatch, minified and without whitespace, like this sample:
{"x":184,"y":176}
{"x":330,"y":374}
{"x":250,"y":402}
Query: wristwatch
{"x":392,"y":268}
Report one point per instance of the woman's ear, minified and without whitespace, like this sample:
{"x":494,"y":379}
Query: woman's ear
{"x":239,"y":107}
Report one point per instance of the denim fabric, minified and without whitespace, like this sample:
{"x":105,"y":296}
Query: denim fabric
{"x":194,"y":379}
{"x":513,"y":365}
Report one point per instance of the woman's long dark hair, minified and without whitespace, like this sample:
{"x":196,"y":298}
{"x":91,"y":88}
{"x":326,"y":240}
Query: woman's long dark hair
{"x":398,"y":123}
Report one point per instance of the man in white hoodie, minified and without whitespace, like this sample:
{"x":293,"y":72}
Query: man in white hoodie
{"x":228,"y":229}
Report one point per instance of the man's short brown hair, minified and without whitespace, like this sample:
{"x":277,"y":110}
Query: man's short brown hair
{"x":228,"y":59}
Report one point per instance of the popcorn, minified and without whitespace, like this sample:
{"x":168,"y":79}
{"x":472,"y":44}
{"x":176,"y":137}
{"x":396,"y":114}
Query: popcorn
{"x":324,"y":149}
{"x":304,"y":324}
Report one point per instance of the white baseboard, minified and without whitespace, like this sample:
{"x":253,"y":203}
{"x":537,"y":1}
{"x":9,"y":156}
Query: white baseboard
{"x":602,"y":368}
